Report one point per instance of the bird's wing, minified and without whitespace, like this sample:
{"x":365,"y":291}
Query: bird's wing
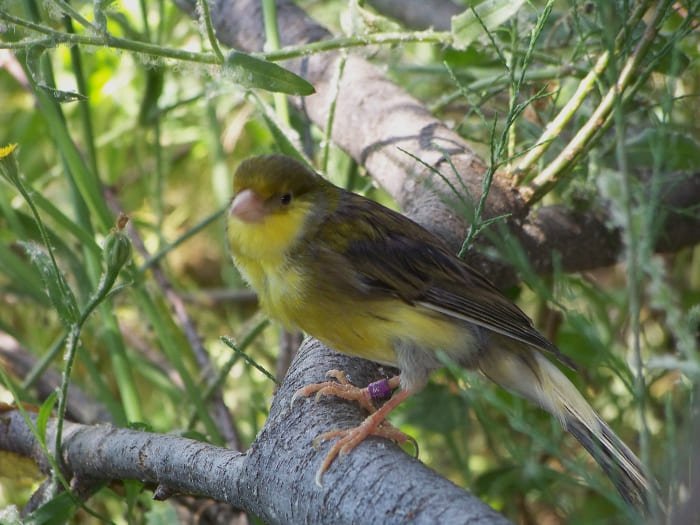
{"x":392,"y":255}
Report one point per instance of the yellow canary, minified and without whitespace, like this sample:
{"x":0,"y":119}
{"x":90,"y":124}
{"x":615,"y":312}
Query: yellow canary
{"x":369,"y":282}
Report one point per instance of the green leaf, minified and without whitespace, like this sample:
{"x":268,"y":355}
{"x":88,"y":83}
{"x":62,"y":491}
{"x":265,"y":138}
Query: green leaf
{"x":469,"y":25}
{"x":57,"y":288}
{"x":193,"y":434}
{"x":44,"y":414}
{"x":33,"y":61}
{"x":23,"y":280}
{"x":141,"y":426}
{"x":133,"y":489}
{"x":149,"y":110}
{"x":437,"y":410}
{"x":252,"y":72}
{"x":60,"y":95}
{"x":56,"y":511}
{"x":161,"y":513}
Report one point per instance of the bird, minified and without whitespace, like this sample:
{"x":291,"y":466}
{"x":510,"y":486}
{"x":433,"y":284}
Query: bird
{"x":369,"y":282}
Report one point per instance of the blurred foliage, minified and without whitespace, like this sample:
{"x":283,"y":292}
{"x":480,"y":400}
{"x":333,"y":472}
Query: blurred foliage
{"x":158,"y":137}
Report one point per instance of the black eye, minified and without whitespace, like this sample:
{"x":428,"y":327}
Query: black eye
{"x":286,"y":198}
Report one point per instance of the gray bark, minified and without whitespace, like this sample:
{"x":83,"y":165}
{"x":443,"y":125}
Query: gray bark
{"x":419,"y":14}
{"x":274,"y":479}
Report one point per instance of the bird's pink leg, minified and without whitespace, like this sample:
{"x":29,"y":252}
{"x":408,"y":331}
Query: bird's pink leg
{"x":374,"y":425}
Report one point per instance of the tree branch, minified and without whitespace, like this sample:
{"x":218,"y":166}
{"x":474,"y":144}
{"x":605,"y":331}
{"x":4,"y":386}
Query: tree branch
{"x":418,"y":14}
{"x":274,"y":479}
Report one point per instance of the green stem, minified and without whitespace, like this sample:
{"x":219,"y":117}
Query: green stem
{"x":517,"y":74}
{"x":211,"y":34}
{"x":331,"y":111}
{"x":67,"y":296}
{"x":272,"y":43}
{"x":184,"y":237}
{"x":144,"y":18}
{"x":72,"y":14}
{"x":226,"y":368}
{"x":332,"y":44}
{"x":103,"y":288}
{"x":60,"y":37}
{"x":83,"y":105}
{"x":232,"y":345}
{"x":287,"y":52}
{"x":43,"y":363}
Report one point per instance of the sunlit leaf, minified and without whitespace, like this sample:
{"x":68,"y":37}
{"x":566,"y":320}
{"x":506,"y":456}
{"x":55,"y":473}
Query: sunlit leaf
{"x":467,"y":26}
{"x":285,"y":145}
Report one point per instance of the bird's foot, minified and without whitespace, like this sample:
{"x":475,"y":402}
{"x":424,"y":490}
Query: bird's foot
{"x":343,"y":388}
{"x":349,"y":438}
{"x":374,"y":425}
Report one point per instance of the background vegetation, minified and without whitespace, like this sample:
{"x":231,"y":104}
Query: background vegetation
{"x":103,"y":128}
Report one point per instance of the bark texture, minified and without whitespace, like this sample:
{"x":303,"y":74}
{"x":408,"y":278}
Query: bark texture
{"x":274,"y":479}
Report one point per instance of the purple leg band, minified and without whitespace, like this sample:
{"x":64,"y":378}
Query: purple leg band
{"x":379,"y":389}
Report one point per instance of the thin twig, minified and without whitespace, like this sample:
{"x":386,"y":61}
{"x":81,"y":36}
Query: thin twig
{"x":211,"y":34}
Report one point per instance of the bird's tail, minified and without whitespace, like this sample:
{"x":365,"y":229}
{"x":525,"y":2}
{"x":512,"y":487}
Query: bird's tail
{"x":530,"y":374}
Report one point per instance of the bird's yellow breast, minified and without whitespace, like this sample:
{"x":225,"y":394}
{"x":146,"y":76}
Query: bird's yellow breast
{"x":261,"y":252}
{"x":363,"y":327}
{"x":267,"y":241}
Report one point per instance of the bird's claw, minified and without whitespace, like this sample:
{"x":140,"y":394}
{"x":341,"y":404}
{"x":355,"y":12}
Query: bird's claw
{"x":349,"y":438}
{"x":341,"y":387}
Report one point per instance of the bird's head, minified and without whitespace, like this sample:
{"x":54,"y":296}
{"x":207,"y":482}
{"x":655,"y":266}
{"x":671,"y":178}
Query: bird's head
{"x":271,"y":185}
{"x":275,"y":200}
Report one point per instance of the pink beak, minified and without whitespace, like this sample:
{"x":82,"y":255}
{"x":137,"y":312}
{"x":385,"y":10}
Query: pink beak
{"x":247,"y":206}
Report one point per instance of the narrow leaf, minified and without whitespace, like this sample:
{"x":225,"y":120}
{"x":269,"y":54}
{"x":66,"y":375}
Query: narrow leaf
{"x":57,"y":289}
{"x":56,"y":511}
{"x":60,"y":95}
{"x":133,"y":489}
{"x":467,"y":26}
{"x":44,"y":414}
{"x":149,"y":110}
{"x":33,"y":61}
{"x":252,"y":72}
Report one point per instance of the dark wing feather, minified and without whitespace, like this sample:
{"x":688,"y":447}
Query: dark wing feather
{"x":392,"y":255}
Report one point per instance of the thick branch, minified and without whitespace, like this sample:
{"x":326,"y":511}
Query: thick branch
{"x":419,"y":14}
{"x":275,"y":479}
{"x":105,"y":453}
